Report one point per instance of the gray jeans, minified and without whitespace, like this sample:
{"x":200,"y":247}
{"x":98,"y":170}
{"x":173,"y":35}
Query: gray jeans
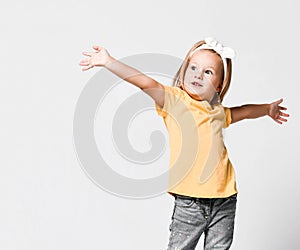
{"x":193,"y":216}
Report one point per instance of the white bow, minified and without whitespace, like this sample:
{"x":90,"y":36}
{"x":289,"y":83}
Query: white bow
{"x":225,"y":52}
{"x":212,"y":43}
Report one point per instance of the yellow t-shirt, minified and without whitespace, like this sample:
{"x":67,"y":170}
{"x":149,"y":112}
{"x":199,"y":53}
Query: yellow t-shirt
{"x":199,"y":164}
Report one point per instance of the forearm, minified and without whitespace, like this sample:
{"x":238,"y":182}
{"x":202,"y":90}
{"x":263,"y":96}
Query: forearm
{"x":252,"y":111}
{"x":129,"y":74}
{"x":249,"y":111}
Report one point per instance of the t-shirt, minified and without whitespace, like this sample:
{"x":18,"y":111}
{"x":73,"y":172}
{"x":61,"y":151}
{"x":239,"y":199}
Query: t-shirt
{"x":199,"y":163}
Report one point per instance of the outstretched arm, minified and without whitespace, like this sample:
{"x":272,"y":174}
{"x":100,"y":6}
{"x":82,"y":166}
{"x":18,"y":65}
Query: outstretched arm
{"x":101,"y":57}
{"x":251,"y":111}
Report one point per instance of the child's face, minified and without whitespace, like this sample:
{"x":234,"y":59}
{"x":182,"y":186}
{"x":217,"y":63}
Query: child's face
{"x":203,"y":76}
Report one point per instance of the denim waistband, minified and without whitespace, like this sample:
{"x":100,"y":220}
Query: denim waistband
{"x":200,"y":198}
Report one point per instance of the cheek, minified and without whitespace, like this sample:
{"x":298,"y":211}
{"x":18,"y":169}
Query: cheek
{"x":216,"y":82}
{"x":188,"y":75}
{"x":186,"y":78}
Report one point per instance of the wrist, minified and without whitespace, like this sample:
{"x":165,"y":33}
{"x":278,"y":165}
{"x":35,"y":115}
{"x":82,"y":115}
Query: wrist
{"x":268,"y":108}
{"x":109,"y":61}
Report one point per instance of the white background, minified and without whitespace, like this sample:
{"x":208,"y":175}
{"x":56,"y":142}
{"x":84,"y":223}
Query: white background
{"x":47,"y":202}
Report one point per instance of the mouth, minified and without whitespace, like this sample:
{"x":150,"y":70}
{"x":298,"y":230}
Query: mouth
{"x":197,"y":84}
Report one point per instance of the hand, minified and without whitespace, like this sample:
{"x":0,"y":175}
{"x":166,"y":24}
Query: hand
{"x":275,"y":112}
{"x":100,"y":57}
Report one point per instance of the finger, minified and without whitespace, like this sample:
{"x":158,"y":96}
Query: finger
{"x":284,"y":114}
{"x":96,"y":47}
{"x":282,"y":119}
{"x":86,"y":68}
{"x":87,"y":53}
{"x":84,"y":62}
{"x":283,"y":108}
{"x":279,"y":101}
{"x":278,"y":121}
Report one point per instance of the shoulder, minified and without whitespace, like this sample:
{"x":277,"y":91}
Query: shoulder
{"x":226,"y":109}
{"x":174,"y":92}
{"x":227,"y":114}
{"x":173,"y":89}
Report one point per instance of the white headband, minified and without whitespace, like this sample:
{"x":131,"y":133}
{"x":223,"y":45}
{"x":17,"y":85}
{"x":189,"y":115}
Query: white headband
{"x":224,"y":52}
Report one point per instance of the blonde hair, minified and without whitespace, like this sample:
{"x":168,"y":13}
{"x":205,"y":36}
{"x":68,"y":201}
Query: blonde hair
{"x":178,"y":79}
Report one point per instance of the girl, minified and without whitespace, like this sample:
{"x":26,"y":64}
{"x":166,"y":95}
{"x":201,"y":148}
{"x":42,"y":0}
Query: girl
{"x":206,"y":194}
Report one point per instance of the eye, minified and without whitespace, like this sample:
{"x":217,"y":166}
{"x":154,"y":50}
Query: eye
{"x":193,"y":67}
{"x":209,"y":72}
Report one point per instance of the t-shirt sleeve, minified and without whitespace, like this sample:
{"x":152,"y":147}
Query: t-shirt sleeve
{"x":227,"y":117}
{"x":171,"y":97}
{"x":160,"y":110}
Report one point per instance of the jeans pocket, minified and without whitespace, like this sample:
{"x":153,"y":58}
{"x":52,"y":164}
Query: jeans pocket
{"x":184,"y":201}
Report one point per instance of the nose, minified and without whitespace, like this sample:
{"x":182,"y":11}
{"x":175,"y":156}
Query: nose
{"x":199,"y":74}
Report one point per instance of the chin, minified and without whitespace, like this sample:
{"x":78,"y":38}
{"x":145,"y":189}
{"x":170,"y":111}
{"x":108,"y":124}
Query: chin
{"x":194,"y":96}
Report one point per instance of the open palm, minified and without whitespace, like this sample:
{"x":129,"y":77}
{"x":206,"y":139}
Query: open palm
{"x":275,"y":112}
{"x":99,"y":57}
